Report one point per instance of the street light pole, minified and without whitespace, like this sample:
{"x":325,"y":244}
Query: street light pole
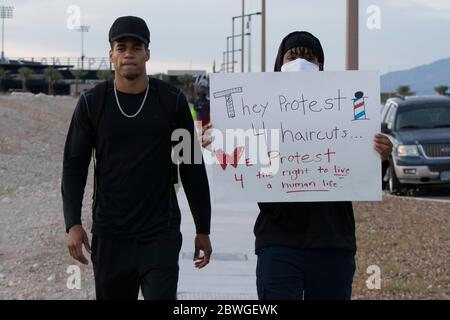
{"x":82,"y":29}
{"x":263,"y":35}
{"x":242,"y":38}
{"x":242,"y":35}
{"x":232,"y":45}
{"x":249,"y":26}
{"x":352,"y":56}
{"x":228,"y":47}
{"x":225,"y":65}
{"x":228,"y":51}
{"x":6,"y":12}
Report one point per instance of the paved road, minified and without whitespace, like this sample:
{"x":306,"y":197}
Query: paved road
{"x":439,"y":193}
{"x":231,"y":272}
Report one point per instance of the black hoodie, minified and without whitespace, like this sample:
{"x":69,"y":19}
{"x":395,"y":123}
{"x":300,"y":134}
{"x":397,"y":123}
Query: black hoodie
{"x":305,"y":225}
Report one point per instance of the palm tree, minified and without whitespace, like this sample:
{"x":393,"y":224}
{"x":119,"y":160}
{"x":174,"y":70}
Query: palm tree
{"x":442,"y":90}
{"x":404,"y":90}
{"x":188,"y":86}
{"x":78,"y":74}
{"x":24,"y":75}
{"x":105,"y":75}
{"x":3,"y":75}
{"x":51,"y":75}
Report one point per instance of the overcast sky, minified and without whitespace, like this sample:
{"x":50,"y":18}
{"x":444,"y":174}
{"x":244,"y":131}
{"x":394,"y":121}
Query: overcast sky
{"x":191,"y":34}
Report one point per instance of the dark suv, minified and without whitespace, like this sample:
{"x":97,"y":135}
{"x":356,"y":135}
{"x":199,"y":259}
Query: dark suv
{"x":419,"y":128}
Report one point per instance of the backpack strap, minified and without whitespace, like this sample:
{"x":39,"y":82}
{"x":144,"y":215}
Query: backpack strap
{"x":95,"y":112}
{"x":98,"y":105}
{"x":169,"y":99}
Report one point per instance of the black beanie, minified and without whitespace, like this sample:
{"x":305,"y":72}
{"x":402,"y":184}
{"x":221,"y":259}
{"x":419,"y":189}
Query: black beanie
{"x":299,"y":39}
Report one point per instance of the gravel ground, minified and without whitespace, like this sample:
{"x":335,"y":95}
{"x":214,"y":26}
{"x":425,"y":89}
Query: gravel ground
{"x":33,"y":255}
{"x":408,"y":239}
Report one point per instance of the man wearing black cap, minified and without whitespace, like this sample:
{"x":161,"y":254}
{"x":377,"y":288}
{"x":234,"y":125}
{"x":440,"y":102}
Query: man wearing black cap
{"x":136,"y":236}
{"x":306,"y":250}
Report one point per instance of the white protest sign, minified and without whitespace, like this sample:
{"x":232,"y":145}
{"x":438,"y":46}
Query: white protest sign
{"x":296,"y":137}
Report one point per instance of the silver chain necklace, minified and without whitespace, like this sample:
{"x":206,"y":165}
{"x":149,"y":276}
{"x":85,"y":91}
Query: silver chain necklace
{"x":120,"y":108}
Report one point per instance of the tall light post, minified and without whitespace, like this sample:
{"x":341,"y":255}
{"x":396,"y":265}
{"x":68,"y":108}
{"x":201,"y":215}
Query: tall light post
{"x":242,"y":38}
{"x":225,"y":65}
{"x":352,"y":55}
{"x":249,"y":28}
{"x":82,"y":29}
{"x":228,"y":46}
{"x":232,"y":42}
{"x":6,"y":12}
{"x":263,"y":35}
{"x":242,"y":35}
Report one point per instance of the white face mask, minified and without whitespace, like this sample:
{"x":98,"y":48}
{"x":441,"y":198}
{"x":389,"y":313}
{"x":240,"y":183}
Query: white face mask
{"x":299,"y":65}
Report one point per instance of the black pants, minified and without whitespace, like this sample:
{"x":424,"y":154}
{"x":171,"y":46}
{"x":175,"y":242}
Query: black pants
{"x":293,"y":274}
{"x":122,"y":266}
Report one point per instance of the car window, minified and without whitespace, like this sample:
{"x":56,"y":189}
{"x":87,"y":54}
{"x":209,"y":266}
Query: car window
{"x":385,"y":112}
{"x":390,"y":116}
{"x":423,"y":117}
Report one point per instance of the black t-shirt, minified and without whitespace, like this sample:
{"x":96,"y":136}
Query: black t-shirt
{"x":307,"y":225}
{"x":321,"y":225}
{"x":135,"y":194}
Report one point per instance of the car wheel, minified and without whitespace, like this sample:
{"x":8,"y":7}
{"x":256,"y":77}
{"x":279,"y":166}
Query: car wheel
{"x":395,"y":187}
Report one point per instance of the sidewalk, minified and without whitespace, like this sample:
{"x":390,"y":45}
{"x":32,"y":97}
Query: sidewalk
{"x":231,"y":271}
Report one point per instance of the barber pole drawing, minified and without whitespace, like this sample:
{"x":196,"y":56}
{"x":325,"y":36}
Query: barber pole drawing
{"x":359,"y":107}
{"x":228,"y":99}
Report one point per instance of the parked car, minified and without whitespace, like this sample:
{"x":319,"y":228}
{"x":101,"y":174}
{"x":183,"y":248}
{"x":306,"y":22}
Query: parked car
{"x":419,"y":128}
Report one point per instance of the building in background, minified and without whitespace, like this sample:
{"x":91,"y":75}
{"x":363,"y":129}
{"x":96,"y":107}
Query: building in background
{"x":52,"y":75}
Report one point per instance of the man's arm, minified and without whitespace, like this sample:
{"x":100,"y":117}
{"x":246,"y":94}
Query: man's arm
{"x":195,"y":184}
{"x":77,"y":156}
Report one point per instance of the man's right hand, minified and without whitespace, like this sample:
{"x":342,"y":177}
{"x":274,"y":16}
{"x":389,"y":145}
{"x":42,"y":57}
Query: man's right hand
{"x":76,"y":238}
{"x":205,"y":137}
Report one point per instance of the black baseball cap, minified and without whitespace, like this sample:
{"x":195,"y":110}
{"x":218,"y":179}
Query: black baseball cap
{"x":129,"y":26}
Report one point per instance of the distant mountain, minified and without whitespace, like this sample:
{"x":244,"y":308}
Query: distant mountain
{"x":422,"y":79}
